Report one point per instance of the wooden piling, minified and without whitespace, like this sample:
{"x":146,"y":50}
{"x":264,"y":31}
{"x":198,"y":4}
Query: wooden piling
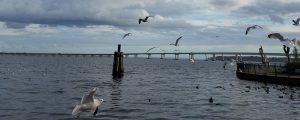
{"x":118,"y":68}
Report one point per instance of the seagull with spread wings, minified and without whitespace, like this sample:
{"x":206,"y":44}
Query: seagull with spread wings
{"x":144,"y":20}
{"x":88,"y":103}
{"x":127,"y":34}
{"x":277,"y":36}
{"x":253,"y":27}
{"x":177,"y":40}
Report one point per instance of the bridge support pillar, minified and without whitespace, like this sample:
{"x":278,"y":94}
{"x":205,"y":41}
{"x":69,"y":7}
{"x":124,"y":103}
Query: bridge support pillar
{"x":118,"y":68}
{"x":176,"y":56}
{"x":241,"y":58}
{"x":162,"y":56}
{"x":223,"y":58}
{"x":149,"y":56}
{"x":236,"y":57}
{"x":135,"y":55}
{"x":214,"y":57}
{"x":191,"y":56}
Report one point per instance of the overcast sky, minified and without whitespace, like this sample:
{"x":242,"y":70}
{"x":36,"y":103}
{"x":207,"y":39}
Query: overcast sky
{"x":97,"y":26}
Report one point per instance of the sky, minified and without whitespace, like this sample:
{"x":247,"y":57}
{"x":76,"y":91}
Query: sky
{"x":97,"y":26}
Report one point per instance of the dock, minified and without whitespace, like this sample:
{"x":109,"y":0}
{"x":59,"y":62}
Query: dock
{"x":268,"y":73}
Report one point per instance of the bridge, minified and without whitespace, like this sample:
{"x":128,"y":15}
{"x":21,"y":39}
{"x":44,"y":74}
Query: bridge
{"x":162,"y":55}
{"x":213,"y":54}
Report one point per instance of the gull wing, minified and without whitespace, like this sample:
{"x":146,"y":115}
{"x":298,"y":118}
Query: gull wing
{"x":89,"y":98}
{"x":247,"y":30}
{"x":124,"y":36}
{"x":147,"y":18}
{"x":258,"y":26}
{"x":298,"y":20}
{"x":76,"y":110}
{"x":151,"y":49}
{"x":127,"y":34}
{"x":176,"y":43}
{"x":140,"y":20}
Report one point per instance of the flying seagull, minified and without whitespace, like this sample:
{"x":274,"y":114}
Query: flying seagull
{"x":150,"y":49}
{"x":144,"y":20}
{"x":176,"y":43}
{"x":296,"y":22}
{"x":295,"y":42}
{"x":253,"y":27}
{"x":88,"y":103}
{"x":285,"y":41}
{"x":127,"y":34}
{"x":277,"y":36}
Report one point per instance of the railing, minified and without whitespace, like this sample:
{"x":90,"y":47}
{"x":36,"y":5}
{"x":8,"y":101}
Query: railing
{"x":261,"y":69}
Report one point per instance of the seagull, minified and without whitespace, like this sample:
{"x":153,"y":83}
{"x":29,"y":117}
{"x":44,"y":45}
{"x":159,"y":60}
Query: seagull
{"x":127,"y":34}
{"x":88,"y":103}
{"x":253,"y":27}
{"x":296,"y":22}
{"x":176,"y":43}
{"x":295,"y":42}
{"x":224,"y":65}
{"x":192,"y":60}
{"x":232,"y":63}
{"x":277,"y":36}
{"x":144,"y":20}
{"x":150,"y":49}
{"x":211,"y":100}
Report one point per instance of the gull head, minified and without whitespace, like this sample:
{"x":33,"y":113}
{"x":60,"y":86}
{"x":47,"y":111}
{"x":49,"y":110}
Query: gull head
{"x":98,"y":102}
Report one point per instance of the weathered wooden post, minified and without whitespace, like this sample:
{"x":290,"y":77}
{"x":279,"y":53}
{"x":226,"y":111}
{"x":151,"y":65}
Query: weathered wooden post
{"x":261,"y":52}
{"x":286,"y":50}
{"x":118,"y":68}
{"x":223,"y":58}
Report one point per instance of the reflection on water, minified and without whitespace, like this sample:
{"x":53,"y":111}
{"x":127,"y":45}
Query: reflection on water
{"x":48,"y":87}
{"x":116,"y":92}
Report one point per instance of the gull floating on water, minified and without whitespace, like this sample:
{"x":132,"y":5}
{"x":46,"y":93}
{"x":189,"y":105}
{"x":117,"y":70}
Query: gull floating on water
{"x":296,"y":22}
{"x":127,"y":34}
{"x":177,"y":40}
{"x":88,"y":103}
{"x":192,"y":60}
{"x":144,"y":20}
{"x":252,"y":27}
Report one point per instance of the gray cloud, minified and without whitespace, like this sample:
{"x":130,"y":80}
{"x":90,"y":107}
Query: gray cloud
{"x":85,"y":12}
{"x":276,"y":19}
{"x":275,"y":10}
{"x":15,"y":25}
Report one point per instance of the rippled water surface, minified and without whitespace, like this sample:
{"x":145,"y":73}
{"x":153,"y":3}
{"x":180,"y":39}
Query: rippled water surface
{"x":49,"y":87}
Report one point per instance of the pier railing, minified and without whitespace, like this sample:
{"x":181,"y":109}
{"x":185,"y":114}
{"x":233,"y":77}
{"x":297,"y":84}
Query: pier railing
{"x":261,"y":69}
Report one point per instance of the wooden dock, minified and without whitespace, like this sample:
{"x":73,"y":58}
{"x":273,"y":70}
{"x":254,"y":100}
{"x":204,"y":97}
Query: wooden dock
{"x":277,"y":74}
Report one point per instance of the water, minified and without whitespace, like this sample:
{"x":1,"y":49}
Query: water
{"x":49,"y":87}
